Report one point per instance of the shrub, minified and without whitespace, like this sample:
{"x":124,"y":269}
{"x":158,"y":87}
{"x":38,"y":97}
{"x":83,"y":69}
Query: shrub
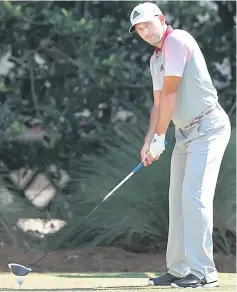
{"x":136,"y":217}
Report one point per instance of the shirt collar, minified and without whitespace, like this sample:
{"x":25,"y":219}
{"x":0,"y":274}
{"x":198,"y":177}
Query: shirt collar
{"x":168,"y":31}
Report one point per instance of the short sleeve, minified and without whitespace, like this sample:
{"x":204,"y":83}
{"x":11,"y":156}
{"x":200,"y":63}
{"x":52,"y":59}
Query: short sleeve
{"x":155,"y":77}
{"x":176,"y":56}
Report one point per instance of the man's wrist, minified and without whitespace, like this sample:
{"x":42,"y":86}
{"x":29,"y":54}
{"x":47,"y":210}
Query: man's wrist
{"x":148,"y":139}
{"x":147,"y":142}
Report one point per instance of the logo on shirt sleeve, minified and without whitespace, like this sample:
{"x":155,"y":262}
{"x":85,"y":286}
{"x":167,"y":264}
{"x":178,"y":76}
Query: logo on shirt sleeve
{"x":162,"y":68}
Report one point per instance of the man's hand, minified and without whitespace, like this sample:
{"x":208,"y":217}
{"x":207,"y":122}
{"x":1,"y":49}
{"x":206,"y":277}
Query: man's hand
{"x":157,"y":146}
{"x":152,"y":151}
{"x":146,"y":159}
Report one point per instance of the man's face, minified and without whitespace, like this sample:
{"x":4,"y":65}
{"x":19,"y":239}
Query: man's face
{"x":151,"y":31}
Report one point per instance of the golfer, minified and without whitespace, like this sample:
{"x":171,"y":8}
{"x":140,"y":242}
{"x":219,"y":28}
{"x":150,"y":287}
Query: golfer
{"x":183,"y":92}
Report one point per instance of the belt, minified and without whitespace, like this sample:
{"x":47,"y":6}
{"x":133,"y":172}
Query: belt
{"x":205,"y":113}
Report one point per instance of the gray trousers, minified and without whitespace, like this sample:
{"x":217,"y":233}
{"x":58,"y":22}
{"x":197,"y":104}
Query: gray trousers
{"x":195,"y":165}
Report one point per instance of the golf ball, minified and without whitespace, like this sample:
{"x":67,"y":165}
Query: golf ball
{"x":20,"y":280}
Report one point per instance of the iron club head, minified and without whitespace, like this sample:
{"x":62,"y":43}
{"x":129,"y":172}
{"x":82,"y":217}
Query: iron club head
{"x":19,"y":270}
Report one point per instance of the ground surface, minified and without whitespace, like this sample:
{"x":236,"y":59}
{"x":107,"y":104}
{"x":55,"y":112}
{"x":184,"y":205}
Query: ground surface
{"x":97,"y":260}
{"x":97,"y":282}
{"x":103,"y":269}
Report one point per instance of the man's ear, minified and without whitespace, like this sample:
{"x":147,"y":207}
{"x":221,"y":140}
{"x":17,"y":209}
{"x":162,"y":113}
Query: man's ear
{"x":162,"y":19}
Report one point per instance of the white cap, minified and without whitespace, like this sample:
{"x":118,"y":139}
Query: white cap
{"x":143,"y":12}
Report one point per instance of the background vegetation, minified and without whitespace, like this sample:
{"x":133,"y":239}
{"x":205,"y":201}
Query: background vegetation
{"x":75,"y":92}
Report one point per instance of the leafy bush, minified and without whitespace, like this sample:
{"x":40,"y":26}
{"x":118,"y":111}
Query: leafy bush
{"x":136,"y":217}
{"x":69,"y":67}
{"x":12,"y":207}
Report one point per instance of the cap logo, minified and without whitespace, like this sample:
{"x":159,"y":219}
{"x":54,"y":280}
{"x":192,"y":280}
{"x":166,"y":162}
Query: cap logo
{"x":135,"y":14}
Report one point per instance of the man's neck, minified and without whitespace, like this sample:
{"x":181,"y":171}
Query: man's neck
{"x":168,"y":31}
{"x":159,"y":45}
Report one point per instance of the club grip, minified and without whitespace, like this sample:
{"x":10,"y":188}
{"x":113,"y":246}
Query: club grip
{"x":140,"y":165}
{"x":136,"y":169}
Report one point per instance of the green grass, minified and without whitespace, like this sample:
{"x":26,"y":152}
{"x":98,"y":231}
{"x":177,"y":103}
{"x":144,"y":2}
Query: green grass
{"x":116,"y":282}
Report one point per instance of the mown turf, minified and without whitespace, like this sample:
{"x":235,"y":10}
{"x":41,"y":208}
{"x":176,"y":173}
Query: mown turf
{"x":116,"y":282}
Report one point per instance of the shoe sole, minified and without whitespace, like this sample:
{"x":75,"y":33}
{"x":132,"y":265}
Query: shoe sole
{"x":173,"y":285}
{"x":211,"y":285}
{"x":208,"y":285}
{"x":151,"y":283}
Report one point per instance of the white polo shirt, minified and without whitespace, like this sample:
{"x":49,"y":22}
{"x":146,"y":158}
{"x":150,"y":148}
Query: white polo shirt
{"x":181,"y":56}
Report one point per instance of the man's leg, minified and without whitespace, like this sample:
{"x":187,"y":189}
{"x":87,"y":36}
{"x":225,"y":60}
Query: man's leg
{"x":202,"y":167}
{"x":175,"y":256}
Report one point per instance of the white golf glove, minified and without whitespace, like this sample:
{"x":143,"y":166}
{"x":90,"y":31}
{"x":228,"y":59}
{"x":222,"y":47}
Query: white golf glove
{"x":157,"y":146}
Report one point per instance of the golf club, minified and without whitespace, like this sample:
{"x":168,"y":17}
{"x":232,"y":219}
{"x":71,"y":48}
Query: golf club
{"x":20,"y":270}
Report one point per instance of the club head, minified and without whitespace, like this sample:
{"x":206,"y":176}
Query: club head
{"x":19,"y":270}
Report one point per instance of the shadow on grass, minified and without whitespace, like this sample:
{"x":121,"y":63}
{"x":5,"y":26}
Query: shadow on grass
{"x":104,"y":275}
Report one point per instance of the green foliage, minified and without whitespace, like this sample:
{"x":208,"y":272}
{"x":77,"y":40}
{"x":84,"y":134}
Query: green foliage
{"x":12,"y":207}
{"x":69,"y":67}
{"x":136,"y":216}
{"x":66,"y":58}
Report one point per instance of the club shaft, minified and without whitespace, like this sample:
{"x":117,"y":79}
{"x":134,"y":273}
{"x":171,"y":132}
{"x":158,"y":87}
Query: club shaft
{"x":104,"y":199}
{"x":71,"y":231}
{"x":118,"y":186}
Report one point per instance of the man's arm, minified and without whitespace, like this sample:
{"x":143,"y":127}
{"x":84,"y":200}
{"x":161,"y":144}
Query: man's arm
{"x":153,"y":117}
{"x":152,"y":128}
{"x":177,"y":53}
{"x":167,"y":103}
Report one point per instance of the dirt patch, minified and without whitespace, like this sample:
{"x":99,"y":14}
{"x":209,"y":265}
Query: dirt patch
{"x":98,"y":260}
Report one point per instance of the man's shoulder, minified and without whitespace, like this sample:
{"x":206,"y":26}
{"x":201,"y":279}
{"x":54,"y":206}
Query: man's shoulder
{"x":180,"y":35}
